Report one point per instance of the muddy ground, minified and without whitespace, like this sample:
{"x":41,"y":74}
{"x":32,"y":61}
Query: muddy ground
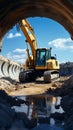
{"x":62,"y":87}
{"x":14,"y":88}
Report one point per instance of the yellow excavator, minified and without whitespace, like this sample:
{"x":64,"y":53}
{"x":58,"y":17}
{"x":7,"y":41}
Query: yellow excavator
{"x":40,"y":63}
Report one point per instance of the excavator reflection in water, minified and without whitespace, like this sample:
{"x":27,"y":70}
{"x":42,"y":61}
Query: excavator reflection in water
{"x":41,"y":63}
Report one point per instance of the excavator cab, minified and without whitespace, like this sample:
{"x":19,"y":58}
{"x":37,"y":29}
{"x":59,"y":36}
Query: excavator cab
{"x":42,"y":55}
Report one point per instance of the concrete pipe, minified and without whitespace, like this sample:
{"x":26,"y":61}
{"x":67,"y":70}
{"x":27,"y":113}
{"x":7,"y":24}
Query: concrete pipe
{"x":16,"y":70}
{"x":1,"y":68}
{"x":9,"y":68}
{"x":5,"y":69}
{"x":10,"y":71}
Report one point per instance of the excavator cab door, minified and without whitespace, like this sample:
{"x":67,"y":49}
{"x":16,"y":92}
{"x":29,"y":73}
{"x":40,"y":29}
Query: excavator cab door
{"x":41,"y":56}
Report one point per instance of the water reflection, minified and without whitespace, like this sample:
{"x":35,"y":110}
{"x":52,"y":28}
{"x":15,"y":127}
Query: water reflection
{"x":43,"y":105}
{"x":40,"y":107}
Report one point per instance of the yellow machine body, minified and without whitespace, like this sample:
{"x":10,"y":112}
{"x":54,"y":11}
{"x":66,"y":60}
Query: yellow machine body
{"x":41,"y":59}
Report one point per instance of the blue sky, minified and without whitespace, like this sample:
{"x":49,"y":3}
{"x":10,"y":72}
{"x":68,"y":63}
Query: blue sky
{"x":48,"y":33}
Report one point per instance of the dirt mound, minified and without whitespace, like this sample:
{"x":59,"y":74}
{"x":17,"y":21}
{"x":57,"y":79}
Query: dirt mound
{"x":67,"y":87}
{"x":9,"y":118}
{"x":66,"y":92}
{"x":63,"y":89}
{"x":69,"y":83}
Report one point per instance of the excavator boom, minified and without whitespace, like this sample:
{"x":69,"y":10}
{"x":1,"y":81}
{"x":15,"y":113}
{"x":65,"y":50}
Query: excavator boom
{"x":29,"y":34}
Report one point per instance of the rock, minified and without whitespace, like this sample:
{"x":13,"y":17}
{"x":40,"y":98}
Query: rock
{"x":67,"y":103}
{"x":57,"y":106}
{"x":58,"y":116}
{"x":18,"y":123}
{"x":22,"y":116}
{"x":6,"y":116}
{"x":32,"y":123}
{"x":2,"y":128}
{"x":27,"y":123}
{"x":12,"y":101}
{"x":47,"y":127}
{"x":69,"y":123}
{"x":44,"y":120}
{"x":16,"y":128}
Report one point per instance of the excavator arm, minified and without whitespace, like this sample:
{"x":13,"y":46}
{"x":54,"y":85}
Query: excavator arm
{"x":30,"y":37}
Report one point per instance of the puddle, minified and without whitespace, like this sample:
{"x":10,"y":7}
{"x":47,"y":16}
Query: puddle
{"x":40,"y":107}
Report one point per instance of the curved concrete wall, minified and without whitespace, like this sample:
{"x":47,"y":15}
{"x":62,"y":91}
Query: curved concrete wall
{"x":9,"y":68}
{"x":58,"y":10}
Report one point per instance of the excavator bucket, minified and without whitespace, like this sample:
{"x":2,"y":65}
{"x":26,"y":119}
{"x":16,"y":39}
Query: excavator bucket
{"x":9,"y":68}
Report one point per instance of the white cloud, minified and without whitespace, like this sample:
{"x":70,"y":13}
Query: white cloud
{"x":17,"y":57}
{"x":17,"y":35}
{"x":62,"y":43}
{"x":19,"y":50}
{"x":11,"y":35}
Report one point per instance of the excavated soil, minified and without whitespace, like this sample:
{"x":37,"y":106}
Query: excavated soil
{"x":15,"y":88}
{"x":62,"y":87}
